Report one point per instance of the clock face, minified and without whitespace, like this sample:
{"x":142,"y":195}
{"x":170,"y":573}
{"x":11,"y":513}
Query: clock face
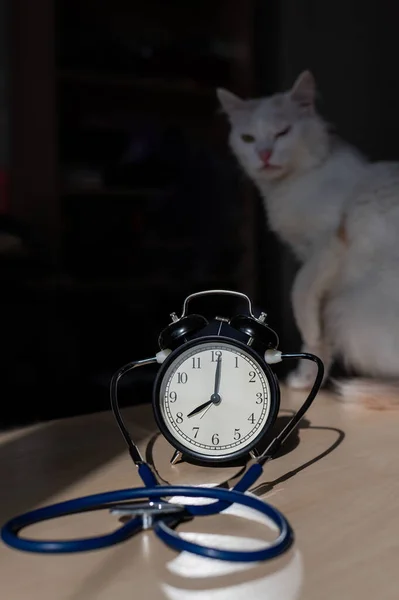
{"x":214,"y":399}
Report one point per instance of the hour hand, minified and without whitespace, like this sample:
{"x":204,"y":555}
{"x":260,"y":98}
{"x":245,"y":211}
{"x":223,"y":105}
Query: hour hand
{"x":200,"y":408}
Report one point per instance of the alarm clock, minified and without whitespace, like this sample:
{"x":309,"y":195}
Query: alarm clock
{"x":215,"y":397}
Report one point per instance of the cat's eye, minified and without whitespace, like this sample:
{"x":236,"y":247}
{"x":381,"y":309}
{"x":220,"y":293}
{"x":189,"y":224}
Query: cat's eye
{"x":283,"y":131}
{"x":246,"y":137}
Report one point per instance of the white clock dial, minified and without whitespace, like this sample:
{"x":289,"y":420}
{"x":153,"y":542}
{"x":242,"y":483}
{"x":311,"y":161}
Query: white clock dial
{"x":215,"y":413}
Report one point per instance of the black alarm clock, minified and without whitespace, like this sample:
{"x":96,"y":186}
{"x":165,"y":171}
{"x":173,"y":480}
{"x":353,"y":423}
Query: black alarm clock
{"x":215,"y":397}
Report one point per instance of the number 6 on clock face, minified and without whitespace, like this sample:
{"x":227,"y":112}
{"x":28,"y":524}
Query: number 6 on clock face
{"x":215,"y":399}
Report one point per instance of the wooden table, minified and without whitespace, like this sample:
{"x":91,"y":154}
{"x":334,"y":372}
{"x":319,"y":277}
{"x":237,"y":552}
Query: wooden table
{"x":337,"y":482}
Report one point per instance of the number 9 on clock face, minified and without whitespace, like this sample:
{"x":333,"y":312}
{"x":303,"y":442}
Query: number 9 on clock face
{"x":215,"y":399}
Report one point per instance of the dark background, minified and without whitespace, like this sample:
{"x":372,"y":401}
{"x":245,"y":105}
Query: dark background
{"x":117,"y":179}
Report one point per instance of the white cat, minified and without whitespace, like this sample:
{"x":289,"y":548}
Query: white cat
{"x":339,"y":214}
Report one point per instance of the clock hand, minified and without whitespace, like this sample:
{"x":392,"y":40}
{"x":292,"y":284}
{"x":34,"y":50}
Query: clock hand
{"x":205,"y":411}
{"x":200,"y":407}
{"x":216,"y":399}
{"x":217,"y":378}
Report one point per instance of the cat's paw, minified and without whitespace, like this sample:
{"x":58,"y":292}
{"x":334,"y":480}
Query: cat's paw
{"x":298,"y":380}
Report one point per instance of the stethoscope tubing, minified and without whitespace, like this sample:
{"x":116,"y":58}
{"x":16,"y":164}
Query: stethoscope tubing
{"x":163,"y":523}
{"x":162,"y":526}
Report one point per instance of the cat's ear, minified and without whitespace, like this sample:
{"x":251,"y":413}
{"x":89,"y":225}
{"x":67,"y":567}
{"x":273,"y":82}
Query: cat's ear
{"x":229,"y":102}
{"x":303,"y":92}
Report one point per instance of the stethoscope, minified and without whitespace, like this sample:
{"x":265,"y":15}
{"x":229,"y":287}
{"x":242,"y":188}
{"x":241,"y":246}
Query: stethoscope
{"x":148,"y":508}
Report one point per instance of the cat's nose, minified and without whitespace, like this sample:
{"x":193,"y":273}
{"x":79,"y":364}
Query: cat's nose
{"x":265,"y":155}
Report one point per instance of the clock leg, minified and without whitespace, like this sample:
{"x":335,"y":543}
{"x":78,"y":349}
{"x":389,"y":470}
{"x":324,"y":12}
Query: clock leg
{"x":253,"y":453}
{"x":176,"y":457}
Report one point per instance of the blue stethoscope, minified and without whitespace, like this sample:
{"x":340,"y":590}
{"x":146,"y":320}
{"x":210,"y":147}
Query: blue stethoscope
{"x":157,"y":513}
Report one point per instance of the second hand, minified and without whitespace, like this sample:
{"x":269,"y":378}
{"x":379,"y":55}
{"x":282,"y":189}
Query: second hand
{"x":206,"y":410}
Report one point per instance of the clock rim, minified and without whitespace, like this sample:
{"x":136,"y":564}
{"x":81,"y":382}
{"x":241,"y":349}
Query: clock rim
{"x":271,"y":418}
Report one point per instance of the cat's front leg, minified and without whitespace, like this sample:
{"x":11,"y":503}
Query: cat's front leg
{"x":312,"y":284}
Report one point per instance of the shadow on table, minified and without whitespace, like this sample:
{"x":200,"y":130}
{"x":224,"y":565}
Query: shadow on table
{"x":291,"y":444}
{"x":43,"y":462}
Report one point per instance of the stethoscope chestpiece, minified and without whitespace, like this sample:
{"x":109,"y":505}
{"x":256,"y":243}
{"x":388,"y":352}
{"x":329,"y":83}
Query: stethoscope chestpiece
{"x":151,"y":511}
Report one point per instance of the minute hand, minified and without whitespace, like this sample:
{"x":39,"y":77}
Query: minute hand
{"x":217,"y":376}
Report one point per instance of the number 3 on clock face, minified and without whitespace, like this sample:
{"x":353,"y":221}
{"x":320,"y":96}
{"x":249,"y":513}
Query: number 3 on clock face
{"x":215,"y":398}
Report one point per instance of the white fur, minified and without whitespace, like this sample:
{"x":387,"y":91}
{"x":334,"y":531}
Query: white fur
{"x":346,"y":294}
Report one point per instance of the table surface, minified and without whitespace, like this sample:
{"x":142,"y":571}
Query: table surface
{"x":337,"y":483}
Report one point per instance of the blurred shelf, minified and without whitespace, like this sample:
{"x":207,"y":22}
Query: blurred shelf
{"x":67,"y":283}
{"x":154,"y":84}
{"x":152,"y":283}
{"x":134,"y":193}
